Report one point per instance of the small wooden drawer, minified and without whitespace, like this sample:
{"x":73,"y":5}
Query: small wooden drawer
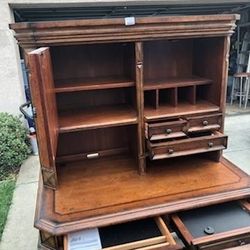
{"x":204,"y":123}
{"x":165,"y":130}
{"x":216,"y":227}
{"x":147,"y":234}
{"x":191,"y":145}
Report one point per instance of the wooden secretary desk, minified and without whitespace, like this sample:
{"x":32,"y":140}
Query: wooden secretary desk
{"x":129,"y":117}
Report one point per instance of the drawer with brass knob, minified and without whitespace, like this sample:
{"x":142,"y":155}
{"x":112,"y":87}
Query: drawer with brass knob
{"x":191,"y":145}
{"x":165,"y":130}
{"x":210,"y":122}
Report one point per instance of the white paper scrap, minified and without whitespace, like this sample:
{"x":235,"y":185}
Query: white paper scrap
{"x":129,"y":21}
{"x":88,"y":239}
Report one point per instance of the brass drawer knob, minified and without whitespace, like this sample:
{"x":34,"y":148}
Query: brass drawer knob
{"x":170,"y":151}
{"x":205,"y":123}
{"x":168,"y":130}
{"x":210,"y":144}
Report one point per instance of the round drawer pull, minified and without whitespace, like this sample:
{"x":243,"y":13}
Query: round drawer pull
{"x":168,"y":130}
{"x":209,"y":230}
{"x":205,"y":123}
{"x":170,"y":151}
{"x":210,"y":144}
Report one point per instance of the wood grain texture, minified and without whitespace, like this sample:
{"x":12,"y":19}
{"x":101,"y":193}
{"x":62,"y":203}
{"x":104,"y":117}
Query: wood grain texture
{"x":165,"y":111}
{"x":42,"y":91}
{"x":187,"y":146}
{"x":176,"y":82}
{"x":96,"y":117}
{"x":109,"y":80}
{"x":82,"y":202}
{"x":80,"y":84}
{"x":110,"y":30}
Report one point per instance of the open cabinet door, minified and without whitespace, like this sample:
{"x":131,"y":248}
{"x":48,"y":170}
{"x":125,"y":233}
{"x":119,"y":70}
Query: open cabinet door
{"x":44,"y":103}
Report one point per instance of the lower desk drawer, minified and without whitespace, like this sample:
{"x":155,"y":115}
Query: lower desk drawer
{"x":147,"y":234}
{"x":216,"y":227}
{"x":210,"y":142}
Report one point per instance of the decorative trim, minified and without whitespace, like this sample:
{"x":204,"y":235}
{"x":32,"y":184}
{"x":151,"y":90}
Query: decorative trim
{"x":40,"y":34}
{"x":49,"y":178}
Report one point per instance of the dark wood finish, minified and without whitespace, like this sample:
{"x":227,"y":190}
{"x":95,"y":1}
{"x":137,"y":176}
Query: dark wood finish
{"x":140,"y":106}
{"x":176,"y":82}
{"x":165,"y":130}
{"x":79,"y":84}
{"x":91,"y":65}
{"x":204,"y":123}
{"x":187,"y":146}
{"x":110,"y":30}
{"x":110,"y":100}
{"x":182,"y":109}
{"x":44,"y":105}
{"x":96,"y":117}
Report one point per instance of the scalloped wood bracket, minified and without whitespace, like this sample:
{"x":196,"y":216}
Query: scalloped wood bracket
{"x":49,"y":178}
{"x":49,"y":241}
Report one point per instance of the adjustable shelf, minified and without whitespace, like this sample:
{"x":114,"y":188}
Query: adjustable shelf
{"x":175,"y":82}
{"x":96,"y":117}
{"x":80,"y":84}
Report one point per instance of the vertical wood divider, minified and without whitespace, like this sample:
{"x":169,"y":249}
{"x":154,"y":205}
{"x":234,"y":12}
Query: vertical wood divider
{"x":140,"y":106}
{"x":225,"y":57}
{"x":174,"y":97}
{"x":193,"y":95}
{"x":157,"y":98}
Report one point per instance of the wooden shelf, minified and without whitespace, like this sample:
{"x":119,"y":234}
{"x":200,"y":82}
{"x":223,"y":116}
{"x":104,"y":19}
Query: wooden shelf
{"x":96,"y":117}
{"x":80,"y":84}
{"x":185,"y":108}
{"x":176,"y":82}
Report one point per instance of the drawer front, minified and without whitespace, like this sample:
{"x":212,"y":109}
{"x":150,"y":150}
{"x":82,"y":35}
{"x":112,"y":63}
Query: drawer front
{"x":165,"y":130}
{"x":227,"y":243}
{"x":204,"y":123}
{"x":214,"y":142}
{"x":216,"y":227}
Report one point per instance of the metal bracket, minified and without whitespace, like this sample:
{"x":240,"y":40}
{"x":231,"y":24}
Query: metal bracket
{"x":49,"y":178}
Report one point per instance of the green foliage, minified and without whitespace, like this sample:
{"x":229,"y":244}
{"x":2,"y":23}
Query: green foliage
{"x":14,"y":147}
{"x":6,"y":192}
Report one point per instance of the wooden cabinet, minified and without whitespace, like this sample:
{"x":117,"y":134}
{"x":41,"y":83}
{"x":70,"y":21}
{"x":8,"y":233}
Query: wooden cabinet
{"x":129,"y":122}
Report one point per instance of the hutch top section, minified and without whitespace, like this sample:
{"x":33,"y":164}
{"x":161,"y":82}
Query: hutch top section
{"x":53,"y":33}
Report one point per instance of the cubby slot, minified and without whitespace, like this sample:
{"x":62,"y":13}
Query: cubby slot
{"x":95,"y":66}
{"x":168,"y":97}
{"x":104,"y":142}
{"x":187,"y":95}
{"x":151,"y":98}
{"x":96,"y":109}
{"x":203,"y":92}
